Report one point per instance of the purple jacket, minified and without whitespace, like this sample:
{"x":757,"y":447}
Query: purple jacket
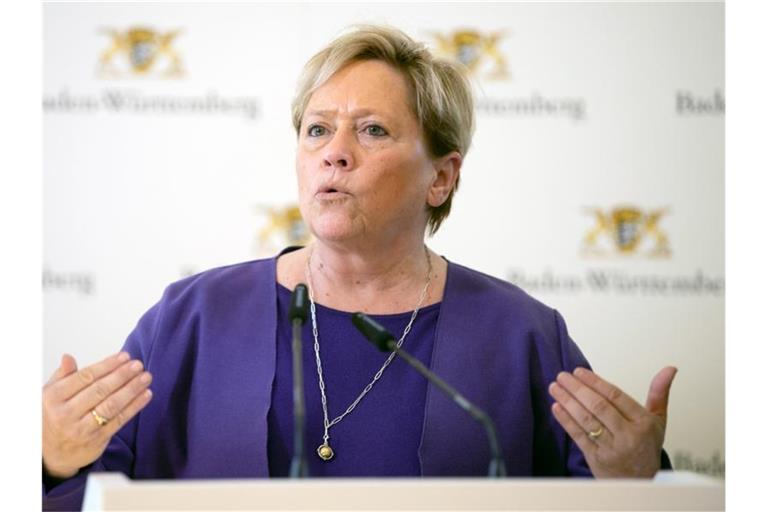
{"x":210,"y":346}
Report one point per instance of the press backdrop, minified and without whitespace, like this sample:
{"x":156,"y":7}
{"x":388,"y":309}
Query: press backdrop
{"x":595,"y":180}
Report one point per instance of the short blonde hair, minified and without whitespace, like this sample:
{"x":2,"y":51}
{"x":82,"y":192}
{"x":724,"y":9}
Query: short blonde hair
{"x":441,"y":93}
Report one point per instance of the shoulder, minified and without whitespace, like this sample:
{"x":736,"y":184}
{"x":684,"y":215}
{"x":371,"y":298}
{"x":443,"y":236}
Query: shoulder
{"x":221,"y":282}
{"x":469,"y":285}
{"x":489,"y":308}
{"x":224,"y":299}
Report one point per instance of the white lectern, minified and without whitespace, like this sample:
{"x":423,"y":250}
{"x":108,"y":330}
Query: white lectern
{"x":668,"y":491}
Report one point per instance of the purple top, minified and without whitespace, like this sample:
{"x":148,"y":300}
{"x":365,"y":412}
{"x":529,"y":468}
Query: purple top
{"x":381,"y":436}
{"x":211,"y":345}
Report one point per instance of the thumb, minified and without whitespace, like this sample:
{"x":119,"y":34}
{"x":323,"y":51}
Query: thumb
{"x":67,"y":366}
{"x":658,"y":394}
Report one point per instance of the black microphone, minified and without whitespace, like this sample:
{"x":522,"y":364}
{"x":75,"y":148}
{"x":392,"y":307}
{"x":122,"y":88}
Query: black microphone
{"x":298,"y":315}
{"x":385,"y":342}
{"x":299,"y":306}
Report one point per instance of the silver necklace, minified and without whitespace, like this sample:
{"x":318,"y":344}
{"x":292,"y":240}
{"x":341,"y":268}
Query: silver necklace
{"x":324,"y":451}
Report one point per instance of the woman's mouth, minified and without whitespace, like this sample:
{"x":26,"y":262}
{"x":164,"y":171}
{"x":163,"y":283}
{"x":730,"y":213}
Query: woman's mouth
{"x":331,"y":194}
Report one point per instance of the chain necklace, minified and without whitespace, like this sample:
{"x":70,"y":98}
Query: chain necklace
{"x":324,"y":451}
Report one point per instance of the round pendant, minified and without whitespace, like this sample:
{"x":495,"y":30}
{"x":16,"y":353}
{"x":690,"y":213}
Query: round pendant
{"x":325,"y":451}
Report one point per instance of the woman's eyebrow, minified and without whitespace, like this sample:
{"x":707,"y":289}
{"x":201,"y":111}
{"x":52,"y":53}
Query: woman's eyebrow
{"x":361,"y":112}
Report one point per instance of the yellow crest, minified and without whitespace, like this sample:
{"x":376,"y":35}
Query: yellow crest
{"x":478,"y":52}
{"x":626,"y":230}
{"x":139,"y":51}
{"x":280,"y":228}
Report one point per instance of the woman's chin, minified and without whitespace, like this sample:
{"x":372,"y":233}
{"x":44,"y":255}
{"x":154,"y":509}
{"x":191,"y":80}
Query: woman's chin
{"x":335,"y":230}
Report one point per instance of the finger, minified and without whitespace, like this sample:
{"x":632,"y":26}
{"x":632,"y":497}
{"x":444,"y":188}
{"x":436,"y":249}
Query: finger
{"x":75,"y":382}
{"x":119,"y":400}
{"x":101,"y":390}
{"x":573,"y":429}
{"x":66,"y":366}
{"x":124,"y":416}
{"x":597,"y":405}
{"x":658,"y":394}
{"x":625,"y":404}
{"x":586,"y":421}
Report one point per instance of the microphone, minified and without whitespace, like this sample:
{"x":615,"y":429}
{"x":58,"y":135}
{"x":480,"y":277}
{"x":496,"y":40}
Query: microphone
{"x":299,"y":308}
{"x":385,"y":342}
{"x":298,"y":315}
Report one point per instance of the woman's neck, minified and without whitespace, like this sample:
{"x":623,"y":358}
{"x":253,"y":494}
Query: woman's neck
{"x":375,"y":282}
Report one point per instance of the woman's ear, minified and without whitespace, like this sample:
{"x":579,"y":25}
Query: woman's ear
{"x":447,"y":170}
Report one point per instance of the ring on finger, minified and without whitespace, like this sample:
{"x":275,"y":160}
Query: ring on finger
{"x":101,"y":420}
{"x":595,"y":434}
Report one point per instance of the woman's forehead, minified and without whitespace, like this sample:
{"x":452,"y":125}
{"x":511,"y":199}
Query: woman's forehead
{"x":362,"y":88}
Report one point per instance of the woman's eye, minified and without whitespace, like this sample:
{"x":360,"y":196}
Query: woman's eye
{"x":375,"y":130}
{"x":315,"y":130}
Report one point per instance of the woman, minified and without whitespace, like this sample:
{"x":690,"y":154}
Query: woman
{"x":382,"y":132}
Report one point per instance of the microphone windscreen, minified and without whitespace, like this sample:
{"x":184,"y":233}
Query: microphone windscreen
{"x":373,"y":331}
{"x":299,"y":303}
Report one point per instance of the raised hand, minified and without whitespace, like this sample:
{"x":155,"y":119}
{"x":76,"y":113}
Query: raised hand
{"x":83,"y":409}
{"x":618,"y":436}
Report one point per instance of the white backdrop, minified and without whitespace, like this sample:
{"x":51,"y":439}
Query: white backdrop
{"x":615,"y":109}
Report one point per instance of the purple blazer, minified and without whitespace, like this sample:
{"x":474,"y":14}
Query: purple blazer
{"x":210,"y":344}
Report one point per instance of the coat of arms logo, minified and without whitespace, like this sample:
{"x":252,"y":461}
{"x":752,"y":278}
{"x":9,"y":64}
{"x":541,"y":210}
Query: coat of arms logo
{"x":140,"y":51}
{"x":281,"y":227}
{"x":478,"y":52}
{"x":626,"y":230}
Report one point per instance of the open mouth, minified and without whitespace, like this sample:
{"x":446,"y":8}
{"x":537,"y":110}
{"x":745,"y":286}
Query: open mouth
{"x":331,"y":193}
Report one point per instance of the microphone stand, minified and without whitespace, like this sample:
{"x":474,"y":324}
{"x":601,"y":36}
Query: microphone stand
{"x":380,"y":337}
{"x":298,"y":315}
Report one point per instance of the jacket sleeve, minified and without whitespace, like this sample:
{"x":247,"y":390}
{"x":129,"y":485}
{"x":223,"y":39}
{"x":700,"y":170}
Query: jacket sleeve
{"x":119,"y":455}
{"x":572,"y":358}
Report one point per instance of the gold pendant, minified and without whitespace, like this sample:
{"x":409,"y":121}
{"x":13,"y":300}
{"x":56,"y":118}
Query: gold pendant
{"x":325,"y":451}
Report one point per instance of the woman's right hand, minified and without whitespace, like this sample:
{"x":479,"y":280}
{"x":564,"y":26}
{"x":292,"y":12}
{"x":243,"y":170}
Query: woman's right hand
{"x":74,"y":402}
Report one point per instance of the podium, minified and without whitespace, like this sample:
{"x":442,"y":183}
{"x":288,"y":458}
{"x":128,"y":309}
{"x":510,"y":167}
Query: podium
{"x":670,"y":490}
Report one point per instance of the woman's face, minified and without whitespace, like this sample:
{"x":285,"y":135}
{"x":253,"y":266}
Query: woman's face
{"x":363,"y":169}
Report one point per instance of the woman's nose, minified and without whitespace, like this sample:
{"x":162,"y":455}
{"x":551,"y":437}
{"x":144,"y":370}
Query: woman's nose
{"x":338,"y":153}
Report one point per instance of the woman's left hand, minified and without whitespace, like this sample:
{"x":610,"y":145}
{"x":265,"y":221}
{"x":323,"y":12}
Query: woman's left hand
{"x":618,"y":436}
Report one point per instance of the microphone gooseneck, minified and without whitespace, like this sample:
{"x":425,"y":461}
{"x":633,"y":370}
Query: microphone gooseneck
{"x":384,"y":341}
{"x":298,"y":315}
